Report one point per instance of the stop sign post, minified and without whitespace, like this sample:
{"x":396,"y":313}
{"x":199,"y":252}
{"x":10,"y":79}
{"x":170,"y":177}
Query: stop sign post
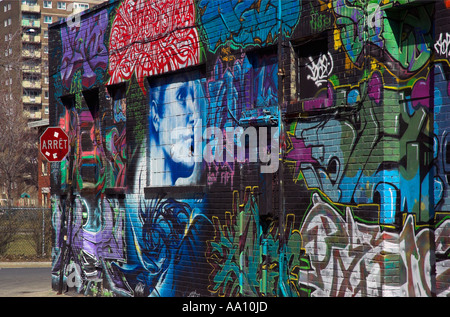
{"x":54,"y":144}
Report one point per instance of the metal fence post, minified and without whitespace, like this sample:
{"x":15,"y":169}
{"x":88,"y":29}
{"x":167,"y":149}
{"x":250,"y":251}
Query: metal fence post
{"x":43,"y":232}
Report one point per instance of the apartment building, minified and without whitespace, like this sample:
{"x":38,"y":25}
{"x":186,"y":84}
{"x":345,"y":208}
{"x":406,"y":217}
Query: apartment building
{"x":24,"y":36}
{"x":10,"y":51}
{"x":30,"y":19}
{"x":24,"y":55}
{"x":52,"y":11}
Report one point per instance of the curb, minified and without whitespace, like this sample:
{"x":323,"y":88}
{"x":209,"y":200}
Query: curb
{"x":10,"y":265}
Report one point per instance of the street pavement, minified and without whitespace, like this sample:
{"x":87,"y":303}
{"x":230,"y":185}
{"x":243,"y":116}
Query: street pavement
{"x":26,"y":279}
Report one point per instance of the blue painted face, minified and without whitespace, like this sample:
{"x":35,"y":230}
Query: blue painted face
{"x":173,"y":115}
{"x":177,"y":126}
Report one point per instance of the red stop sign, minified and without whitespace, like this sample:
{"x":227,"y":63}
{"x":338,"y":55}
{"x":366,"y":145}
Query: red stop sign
{"x":54,"y":144}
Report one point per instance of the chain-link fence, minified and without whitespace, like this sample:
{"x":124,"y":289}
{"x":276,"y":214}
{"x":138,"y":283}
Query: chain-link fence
{"x":25,"y":233}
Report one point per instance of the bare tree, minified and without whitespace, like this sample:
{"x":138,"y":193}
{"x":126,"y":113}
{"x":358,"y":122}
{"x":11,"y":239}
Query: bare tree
{"x":9,"y":225}
{"x":18,"y":143}
{"x":18,"y":147}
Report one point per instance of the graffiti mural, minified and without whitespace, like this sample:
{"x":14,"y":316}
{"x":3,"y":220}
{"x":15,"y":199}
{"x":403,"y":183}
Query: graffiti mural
{"x":175,"y":116}
{"x":161,"y":239}
{"x":244,"y":237}
{"x":235,"y":23}
{"x":365,"y":24}
{"x":167,"y":104}
{"x":137,"y":47}
{"x":94,"y":235}
{"x":362,"y":139}
{"x":348,"y":256}
{"x":84,"y":50}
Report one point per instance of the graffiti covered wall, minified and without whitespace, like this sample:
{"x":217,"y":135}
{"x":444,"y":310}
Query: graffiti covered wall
{"x":252,"y":148}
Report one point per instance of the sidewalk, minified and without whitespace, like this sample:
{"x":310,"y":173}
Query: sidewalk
{"x":9,"y":265}
{"x":26,"y":279}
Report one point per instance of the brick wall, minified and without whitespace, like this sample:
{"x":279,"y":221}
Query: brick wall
{"x":338,"y":190}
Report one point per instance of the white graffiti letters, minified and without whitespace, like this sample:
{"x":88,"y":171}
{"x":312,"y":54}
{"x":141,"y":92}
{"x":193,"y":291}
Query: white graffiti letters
{"x":349,"y":258}
{"x":74,"y":275}
{"x":442,"y":45}
{"x":321,"y":69}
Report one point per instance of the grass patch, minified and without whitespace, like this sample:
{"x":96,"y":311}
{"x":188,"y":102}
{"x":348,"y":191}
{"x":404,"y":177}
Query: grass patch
{"x":23,"y":245}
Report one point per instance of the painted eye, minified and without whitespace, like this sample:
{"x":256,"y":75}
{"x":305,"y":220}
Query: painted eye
{"x":333,"y":169}
{"x":182,"y":94}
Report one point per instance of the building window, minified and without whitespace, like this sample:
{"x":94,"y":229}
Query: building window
{"x":44,"y":200}
{"x":61,"y":5}
{"x":86,"y":170}
{"x":315,"y":64}
{"x":46,"y":94}
{"x":117,"y":95}
{"x":46,"y":34}
{"x":47,"y":19}
{"x":77,"y":7}
{"x":47,"y":4}
{"x":44,"y":168}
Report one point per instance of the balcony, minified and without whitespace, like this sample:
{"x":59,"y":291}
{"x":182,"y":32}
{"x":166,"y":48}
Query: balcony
{"x":30,"y":69}
{"x":30,"y":8}
{"x":31,"y":38}
{"x":33,"y":84}
{"x":31,"y":53}
{"x":31,"y":23}
{"x":33,"y":114}
{"x":31,"y":99}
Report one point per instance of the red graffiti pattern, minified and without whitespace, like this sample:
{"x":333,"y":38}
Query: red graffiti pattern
{"x":152,"y":37}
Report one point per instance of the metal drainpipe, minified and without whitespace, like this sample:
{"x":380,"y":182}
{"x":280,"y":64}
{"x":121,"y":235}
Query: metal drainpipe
{"x":241,"y":225}
{"x":283,"y":288}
